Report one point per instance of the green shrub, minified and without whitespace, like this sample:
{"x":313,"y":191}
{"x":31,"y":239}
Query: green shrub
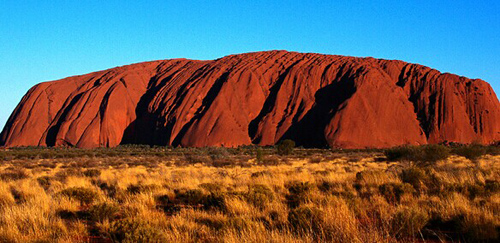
{"x":211,"y":187}
{"x":82,"y":194}
{"x":15,"y":175}
{"x":111,"y":189}
{"x":285,"y":147}
{"x":336,"y":189}
{"x":259,"y":195}
{"x":239,"y":223}
{"x":327,"y":186}
{"x":408,"y":153}
{"x":371,"y":176}
{"x":271,"y":161}
{"x":299,"y":187}
{"x":299,"y":192}
{"x":44,"y":181}
{"x":261,"y":174}
{"x":259,"y":156}
{"x":167,"y":204}
{"x":216,"y":224}
{"x":224,"y":162}
{"x":408,"y":222}
{"x":218,"y":153}
{"x":196,"y":197}
{"x":467,"y":227}
{"x":71,"y":215}
{"x":194,"y":159}
{"x":472,"y":152}
{"x":493,"y":149}
{"x":415,"y":177}
{"x":136,"y":189}
{"x":102,"y":211}
{"x":434,"y":152}
{"x":63,"y":174}
{"x":475,"y":190}
{"x":92,"y":173}
{"x":421,"y":154}
{"x":470,"y":190}
{"x":135,"y":230}
{"x":394,"y":191}
{"x":305,"y":219}
{"x":215,"y":201}
{"x":479,"y":227}
{"x":492,"y":186}
{"x":190,"y":197}
{"x":315,"y":159}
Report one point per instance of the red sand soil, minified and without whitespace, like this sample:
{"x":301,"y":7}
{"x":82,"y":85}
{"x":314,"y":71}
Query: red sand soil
{"x":258,"y":98}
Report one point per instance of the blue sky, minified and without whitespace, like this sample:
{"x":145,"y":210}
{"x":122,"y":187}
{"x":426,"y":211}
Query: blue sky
{"x":48,"y":40}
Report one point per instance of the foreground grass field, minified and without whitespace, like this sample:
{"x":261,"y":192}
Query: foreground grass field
{"x":246,"y":195}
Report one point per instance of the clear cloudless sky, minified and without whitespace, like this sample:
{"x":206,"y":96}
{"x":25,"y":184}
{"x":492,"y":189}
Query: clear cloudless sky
{"x":48,"y":40}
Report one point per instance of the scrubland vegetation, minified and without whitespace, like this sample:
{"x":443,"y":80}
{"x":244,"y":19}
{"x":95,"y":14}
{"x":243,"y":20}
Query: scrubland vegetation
{"x":140,"y":194}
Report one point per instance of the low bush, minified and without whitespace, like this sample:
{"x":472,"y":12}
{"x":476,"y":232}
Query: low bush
{"x":408,"y":153}
{"x":426,"y":154}
{"x":260,"y":174}
{"x":415,"y":176}
{"x":408,"y":222}
{"x":139,"y":188}
{"x":103,"y":211}
{"x":472,"y":152}
{"x":327,"y":186}
{"x":492,"y":186}
{"x":394,"y":191}
{"x":92,"y":173}
{"x":224,"y":162}
{"x":315,"y":159}
{"x":167,"y":204}
{"x":110,"y":189}
{"x":15,"y":175}
{"x":214,"y":223}
{"x":371,"y":176}
{"x":216,"y":201}
{"x":299,"y":187}
{"x":299,"y":192}
{"x":134,"y":230}
{"x":270,"y":161}
{"x":306,"y":219}
{"x":82,"y":194}
{"x":193,"y":159}
{"x":217,"y":153}
{"x":479,"y":228}
{"x":336,"y":189}
{"x":196,"y":197}
{"x":44,"y":181}
{"x":285,"y":147}
{"x":259,"y":195}
{"x":211,"y":187}
{"x":190,"y":197}
{"x":63,"y":174}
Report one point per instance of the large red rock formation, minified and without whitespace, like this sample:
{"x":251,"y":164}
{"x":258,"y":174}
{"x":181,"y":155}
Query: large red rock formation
{"x":258,"y":98}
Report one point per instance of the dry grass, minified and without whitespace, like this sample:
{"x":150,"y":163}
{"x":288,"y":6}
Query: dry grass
{"x":329,"y":198}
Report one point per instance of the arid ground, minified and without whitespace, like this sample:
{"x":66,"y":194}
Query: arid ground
{"x":140,"y":194}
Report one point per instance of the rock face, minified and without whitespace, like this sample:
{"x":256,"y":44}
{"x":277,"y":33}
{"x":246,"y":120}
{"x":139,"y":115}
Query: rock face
{"x":258,"y":98}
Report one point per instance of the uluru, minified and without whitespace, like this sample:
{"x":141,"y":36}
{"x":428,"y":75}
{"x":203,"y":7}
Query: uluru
{"x":258,"y":98}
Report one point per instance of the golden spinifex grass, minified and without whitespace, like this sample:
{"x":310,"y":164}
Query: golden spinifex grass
{"x":326,"y":198}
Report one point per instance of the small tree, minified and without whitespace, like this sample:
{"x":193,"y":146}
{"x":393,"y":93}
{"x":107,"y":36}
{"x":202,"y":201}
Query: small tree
{"x":285,"y":147}
{"x":260,"y":155}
